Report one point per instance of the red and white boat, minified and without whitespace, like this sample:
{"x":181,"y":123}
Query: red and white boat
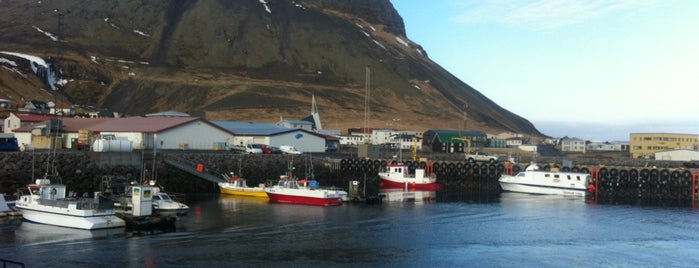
{"x":304,"y":192}
{"x":396,"y":175}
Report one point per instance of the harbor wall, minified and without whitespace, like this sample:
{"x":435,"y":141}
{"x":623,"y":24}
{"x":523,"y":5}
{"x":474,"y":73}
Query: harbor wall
{"x":83,"y":172}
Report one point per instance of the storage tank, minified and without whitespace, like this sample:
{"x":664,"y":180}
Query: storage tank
{"x":109,"y":143}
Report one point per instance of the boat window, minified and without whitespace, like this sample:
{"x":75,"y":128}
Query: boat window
{"x":568,"y":177}
{"x":547,"y":175}
{"x":578,"y":177}
{"x":556,"y":176}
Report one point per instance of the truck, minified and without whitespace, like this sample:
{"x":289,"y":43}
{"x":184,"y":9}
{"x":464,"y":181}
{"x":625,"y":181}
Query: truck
{"x":482,"y":157}
{"x":248,"y":148}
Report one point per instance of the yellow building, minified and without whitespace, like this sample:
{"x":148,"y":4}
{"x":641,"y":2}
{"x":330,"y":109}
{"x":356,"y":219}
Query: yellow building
{"x":647,"y":144}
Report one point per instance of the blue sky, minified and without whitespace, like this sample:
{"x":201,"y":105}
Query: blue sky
{"x":594,"y":69}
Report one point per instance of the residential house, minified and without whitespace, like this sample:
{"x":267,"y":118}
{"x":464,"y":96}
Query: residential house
{"x":573,"y":145}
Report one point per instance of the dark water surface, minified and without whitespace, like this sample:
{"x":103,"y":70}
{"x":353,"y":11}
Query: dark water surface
{"x":507,"y":230}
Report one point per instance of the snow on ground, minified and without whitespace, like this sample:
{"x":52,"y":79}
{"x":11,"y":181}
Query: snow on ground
{"x":402,"y":42}
{"x":367,"y":34}
{"x":34,"y":60}
{"x":264,"y":3}
{"x":112,"y":24}
{"x":50,"y":35}
{"x":298,"y":5}
{"x":141,"y":33}
{"x":94,"y":59}
{"x":377,"y":42}
{"x":11,"y":63}
{"x":30,"y":58}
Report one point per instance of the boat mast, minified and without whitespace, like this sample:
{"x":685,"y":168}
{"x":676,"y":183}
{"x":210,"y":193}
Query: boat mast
{"x":367,"y":83}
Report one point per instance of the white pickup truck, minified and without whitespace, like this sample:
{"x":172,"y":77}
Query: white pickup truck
{"x":482,"y":157}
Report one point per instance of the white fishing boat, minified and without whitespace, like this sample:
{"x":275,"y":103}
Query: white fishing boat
{"x":162,"y":201}
{"x":395,"y":175}
{"x":45,"y":202}
{"x":48,"y":203}
{"x":535,"y":181}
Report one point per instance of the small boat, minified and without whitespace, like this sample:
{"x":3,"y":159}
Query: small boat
{"x":162,"y":201}
{"x":396,"y":175}
{"x":7,"y":208}
{"x":305,"y":192}
{"x":535,"y":181}
{"x":45,"y":202}
{"x":238,"y":186}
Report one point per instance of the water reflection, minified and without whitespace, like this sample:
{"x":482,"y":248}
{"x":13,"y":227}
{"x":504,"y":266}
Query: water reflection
{"x":458,"y":228}
{"x":407,"y":195}
{"x":29,"y":233}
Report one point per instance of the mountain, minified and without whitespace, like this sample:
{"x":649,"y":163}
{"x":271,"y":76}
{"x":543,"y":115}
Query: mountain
{"x":240,"y":60}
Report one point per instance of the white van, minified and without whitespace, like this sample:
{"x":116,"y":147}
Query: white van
{"x":287,"y":149}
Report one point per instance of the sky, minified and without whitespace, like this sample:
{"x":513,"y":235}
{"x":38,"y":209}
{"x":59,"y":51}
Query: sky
{"x":593,"y":69}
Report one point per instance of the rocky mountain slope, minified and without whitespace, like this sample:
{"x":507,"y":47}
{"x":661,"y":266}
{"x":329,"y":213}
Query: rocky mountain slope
{"x":240,"y":60}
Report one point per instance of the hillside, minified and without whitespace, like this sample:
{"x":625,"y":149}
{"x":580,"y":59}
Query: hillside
{"x":240,"y":60}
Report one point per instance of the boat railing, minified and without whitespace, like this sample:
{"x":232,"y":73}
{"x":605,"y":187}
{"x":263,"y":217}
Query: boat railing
{"x":80,"y":203}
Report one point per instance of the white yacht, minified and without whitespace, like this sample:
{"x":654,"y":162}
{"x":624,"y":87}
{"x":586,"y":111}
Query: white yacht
{"x":535,"y":181}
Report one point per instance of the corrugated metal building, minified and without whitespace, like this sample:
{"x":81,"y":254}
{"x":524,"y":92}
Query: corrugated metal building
{"x":144,"y":132}
{"x":678,"y":155}
{"x":273,"y":135}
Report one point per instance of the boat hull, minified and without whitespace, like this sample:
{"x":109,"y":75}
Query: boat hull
{"x":250,"y":191}
{"x":388,"y":184}
{"x":540,"y":189}
{"x":71,"y":219}
{"x":304,"y":200}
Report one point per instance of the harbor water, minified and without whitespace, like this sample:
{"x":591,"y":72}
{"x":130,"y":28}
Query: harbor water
{"x":451,"y":230}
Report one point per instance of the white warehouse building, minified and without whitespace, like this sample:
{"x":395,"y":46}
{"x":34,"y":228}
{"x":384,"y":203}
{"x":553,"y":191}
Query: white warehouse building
{"x":273,"y":135}
{"x":678,"y":155}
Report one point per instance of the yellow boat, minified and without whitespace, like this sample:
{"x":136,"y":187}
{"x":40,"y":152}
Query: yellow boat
{"x":238,"y":186}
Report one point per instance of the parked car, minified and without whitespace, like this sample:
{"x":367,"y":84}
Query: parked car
{"x":331,"y":148}
{"x":275,"y":150}
{"x":265,"y":148}
{"x":482,"y":157}
{"x":287,"y":149}
{"x":250,"y":148}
